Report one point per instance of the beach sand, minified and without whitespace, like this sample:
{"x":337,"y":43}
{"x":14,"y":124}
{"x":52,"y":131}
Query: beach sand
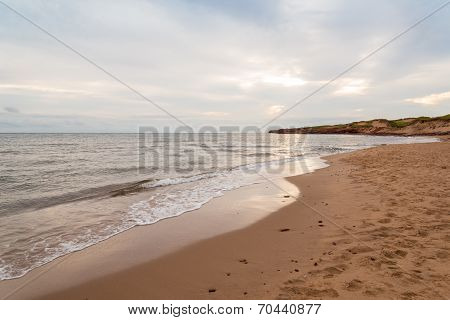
{"x":373,"y":225}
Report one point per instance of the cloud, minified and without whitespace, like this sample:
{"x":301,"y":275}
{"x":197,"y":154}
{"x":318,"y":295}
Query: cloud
{"x":284,"y":80}
{"x":42,"y":89}
{"x":274,"y":110}
{"x":261,"y":79}
{"x":205,"y":60}
{"x":251,"y":11}
{"x":215,"y":114}
{"x":432,"y":99}
{"x":11,"y":109}
{"x":352,"y":87}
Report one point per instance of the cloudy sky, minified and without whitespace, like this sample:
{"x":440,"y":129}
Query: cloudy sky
{"x":235,"y":62}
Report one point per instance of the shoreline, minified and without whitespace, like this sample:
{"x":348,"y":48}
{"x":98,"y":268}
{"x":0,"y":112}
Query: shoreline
{"x":379,"y":251}
{"x":148,"y":242}
{"x":290,"y":253}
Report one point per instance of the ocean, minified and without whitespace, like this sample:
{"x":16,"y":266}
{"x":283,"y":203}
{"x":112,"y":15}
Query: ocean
{"x":60,"y":193}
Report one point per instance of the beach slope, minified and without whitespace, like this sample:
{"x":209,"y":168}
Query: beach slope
{"x":373,"y":225}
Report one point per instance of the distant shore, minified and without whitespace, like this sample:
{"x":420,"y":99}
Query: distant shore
{"x":421,"y":126}
{"x":373,"y":225}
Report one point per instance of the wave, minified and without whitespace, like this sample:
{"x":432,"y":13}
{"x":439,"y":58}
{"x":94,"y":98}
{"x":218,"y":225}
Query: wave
{"x":331,"y":149}
{"x":112,"y":190}
{"x":261,"y":154}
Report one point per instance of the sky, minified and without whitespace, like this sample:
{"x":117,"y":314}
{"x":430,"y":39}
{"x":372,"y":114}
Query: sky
{"x":219,"y":63}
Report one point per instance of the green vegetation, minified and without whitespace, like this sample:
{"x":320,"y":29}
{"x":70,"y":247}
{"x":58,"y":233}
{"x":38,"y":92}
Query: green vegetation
{"x":361,"y":125}
{"x":424,"y":118}
{"x":380,"y":126}
{"x":399,"y":123}
{"x":446,"y":117}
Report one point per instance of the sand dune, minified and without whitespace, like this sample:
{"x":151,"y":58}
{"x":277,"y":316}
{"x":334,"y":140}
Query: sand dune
{"x":421,"y":126}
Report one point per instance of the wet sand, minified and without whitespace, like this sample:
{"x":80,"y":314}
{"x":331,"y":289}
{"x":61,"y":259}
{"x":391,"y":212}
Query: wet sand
{"x":238,"y":209}
{"x":373,"y":225}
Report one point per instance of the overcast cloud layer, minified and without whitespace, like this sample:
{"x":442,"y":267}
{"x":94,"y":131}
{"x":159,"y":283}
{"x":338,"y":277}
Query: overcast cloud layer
{"x":235,"y":62}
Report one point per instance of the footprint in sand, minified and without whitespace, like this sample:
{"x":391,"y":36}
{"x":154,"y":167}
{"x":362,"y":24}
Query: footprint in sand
{"x":443,"y":255}
{"x":297,"y":292}
{"x":330,"y":272}
{"x":397,"y":274}
{"x":370,"y":262}
{"x":422,"y":233}
{"x":345,"y":256}
{"x":391,"y":215}
{"x":360,"y":249}
{"x":407,"y":243}
{"x":408,"y":295}
{"x":401,"y":253}
{"x":354,"y":285}
{"x":394,"y":254}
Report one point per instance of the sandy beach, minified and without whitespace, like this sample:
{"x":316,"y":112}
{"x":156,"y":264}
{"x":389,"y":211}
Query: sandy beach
{"x":372,"y":225}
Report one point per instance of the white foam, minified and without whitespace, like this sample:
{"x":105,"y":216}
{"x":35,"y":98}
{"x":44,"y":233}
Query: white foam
{"x":199,"y":190}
